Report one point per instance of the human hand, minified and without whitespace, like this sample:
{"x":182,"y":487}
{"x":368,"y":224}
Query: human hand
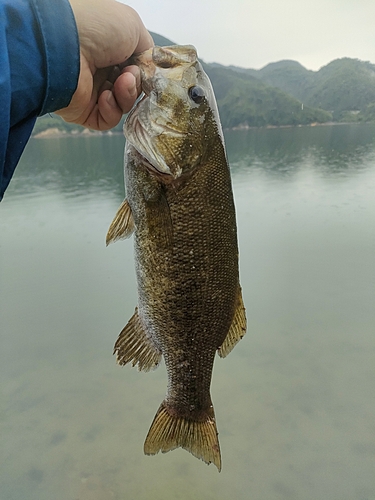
{"x":109,"y":33}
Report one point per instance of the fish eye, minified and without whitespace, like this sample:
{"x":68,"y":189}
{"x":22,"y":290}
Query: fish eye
{"x":196,"y":94}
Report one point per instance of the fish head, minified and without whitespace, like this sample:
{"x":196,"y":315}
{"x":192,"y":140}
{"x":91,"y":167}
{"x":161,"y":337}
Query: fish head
{"x":176,"y":121}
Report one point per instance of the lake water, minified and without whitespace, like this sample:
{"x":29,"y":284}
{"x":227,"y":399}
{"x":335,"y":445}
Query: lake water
{"x":294,"y":401}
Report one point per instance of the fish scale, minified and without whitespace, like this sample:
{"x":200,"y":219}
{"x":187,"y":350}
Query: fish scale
{"x":180,"y":207}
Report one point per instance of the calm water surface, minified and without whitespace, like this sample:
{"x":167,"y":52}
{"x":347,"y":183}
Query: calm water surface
{"x":295,"y":401}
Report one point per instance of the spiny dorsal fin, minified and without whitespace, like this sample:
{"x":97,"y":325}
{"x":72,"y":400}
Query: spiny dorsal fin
{"x":200,"y":438}
{"x":133,"y":345}
{"x":122,"y":225}
{"x":237,"y":329}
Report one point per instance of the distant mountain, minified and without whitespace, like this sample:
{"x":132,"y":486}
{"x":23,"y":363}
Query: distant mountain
{"x":289,"y":76}
{"x":346,"y":87}
{"x":245,"y":101}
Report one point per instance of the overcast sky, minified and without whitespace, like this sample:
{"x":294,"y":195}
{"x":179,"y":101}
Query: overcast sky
{"x":253,"y":33}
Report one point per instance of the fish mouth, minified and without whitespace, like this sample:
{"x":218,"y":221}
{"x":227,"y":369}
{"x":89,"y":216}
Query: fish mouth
{"x":164,"y":58}
{"x":148,"y":130}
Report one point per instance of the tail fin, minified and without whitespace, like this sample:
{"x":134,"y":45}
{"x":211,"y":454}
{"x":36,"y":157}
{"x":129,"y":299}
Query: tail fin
{"x":200,"y":438}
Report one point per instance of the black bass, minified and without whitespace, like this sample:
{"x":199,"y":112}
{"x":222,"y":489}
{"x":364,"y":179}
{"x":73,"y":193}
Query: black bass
{"x":180,"y":207}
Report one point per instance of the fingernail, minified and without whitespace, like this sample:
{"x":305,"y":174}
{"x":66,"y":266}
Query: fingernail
{"x":111,"y":100}
{"x":133,"y":91}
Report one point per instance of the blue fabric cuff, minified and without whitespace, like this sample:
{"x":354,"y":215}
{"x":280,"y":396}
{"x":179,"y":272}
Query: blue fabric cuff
{"x":62,"y":56}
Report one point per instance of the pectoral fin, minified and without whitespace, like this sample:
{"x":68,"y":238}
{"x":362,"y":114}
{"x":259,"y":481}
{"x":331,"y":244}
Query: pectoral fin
{"x":133,"y":345}
{"x":237,"y":329}
{"x":122,"y":225}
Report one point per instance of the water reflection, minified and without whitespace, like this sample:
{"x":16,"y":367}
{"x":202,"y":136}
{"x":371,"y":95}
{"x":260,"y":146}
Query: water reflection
{"x":96,"y":163}
{"x":295,"y":401}
{"x":282,"y":151}
{"x":74,"y":165}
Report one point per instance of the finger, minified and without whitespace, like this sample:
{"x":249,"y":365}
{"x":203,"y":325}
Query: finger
{"x":110,"y":112}
{"x":106,"y":114}
{"x":127,"y":88}
{"x":113,"y":73}
{"x":145,"y":40}
{"x":136,"y":72}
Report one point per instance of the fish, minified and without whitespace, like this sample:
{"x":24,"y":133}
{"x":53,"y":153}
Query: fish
{"x":179,"y":205}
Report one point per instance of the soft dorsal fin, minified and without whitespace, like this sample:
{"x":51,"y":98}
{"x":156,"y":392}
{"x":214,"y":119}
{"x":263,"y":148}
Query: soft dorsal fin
{"x":122,"y":225}
{"x":237,"y":329}
{"x":133,"y":345}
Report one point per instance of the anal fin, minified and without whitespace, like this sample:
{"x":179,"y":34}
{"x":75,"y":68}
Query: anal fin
{"x":133,"y":345}
{"x":237,"y":329}
{"x":199,"y":437}
{"x":122,"y":225}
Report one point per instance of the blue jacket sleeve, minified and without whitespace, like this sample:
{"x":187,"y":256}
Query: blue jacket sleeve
{"x":39,"y":69}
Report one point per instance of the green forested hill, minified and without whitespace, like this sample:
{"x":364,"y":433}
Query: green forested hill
{"x":346,"y":87}
{"x":289,"y":76}
{"x":246,"y":101}
{"x":343,"y":85}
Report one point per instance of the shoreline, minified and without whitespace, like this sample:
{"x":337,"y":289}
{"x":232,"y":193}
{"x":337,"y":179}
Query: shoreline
{"x":55,"y":133}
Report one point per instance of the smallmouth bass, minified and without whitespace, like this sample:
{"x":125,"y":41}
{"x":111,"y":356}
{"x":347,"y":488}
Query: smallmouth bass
{"x":180,"y":207}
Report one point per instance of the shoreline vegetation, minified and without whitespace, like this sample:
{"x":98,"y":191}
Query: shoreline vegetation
{"x":282,"y":94}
